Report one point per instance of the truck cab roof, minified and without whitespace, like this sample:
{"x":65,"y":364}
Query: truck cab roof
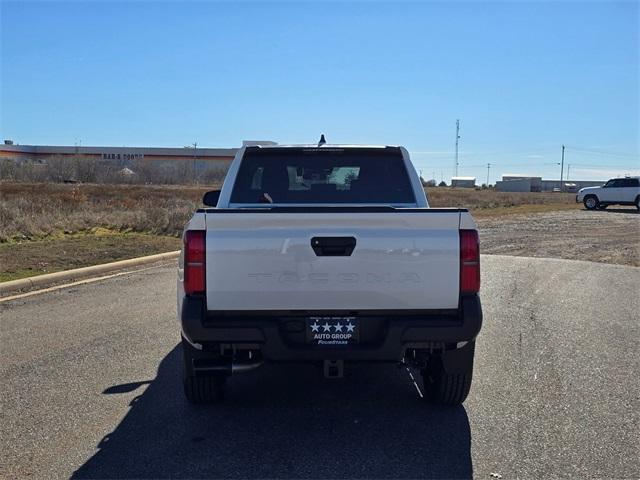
{"x":268,"y":175}
{"x":322,"y":146}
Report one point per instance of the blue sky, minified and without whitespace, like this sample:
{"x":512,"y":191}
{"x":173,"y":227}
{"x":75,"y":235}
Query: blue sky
{"x":522,"y":77}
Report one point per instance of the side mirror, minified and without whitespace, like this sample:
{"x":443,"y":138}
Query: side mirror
{"x":210,"y":199}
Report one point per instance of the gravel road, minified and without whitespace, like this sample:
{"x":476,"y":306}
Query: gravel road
{"x":608,"y":236}
{"x":90,"y":388}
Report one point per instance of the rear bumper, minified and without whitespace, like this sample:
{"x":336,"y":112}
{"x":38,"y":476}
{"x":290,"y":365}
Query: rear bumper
{"x":279,"y":336}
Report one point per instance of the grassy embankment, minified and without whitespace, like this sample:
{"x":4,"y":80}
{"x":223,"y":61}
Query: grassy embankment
{"x":51,"y":227}
{"x":489,"y":203}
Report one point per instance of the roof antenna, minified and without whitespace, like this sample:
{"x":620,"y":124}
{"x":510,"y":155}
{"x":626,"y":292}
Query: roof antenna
{"x":322,"y":140}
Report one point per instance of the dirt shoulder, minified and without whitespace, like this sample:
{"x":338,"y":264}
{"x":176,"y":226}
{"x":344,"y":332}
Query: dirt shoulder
{"x":608,"y":236}
{"x":29,"y":258}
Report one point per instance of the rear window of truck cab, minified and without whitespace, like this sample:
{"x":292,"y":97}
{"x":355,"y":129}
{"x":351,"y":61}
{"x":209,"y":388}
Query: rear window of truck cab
{"x":323,"y":175}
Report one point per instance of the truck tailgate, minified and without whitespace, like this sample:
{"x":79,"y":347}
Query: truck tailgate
{"x":402,"y":260}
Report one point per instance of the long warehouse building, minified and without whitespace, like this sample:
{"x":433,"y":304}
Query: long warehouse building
{"x":526,"y":183}
{"x":123,"y":155}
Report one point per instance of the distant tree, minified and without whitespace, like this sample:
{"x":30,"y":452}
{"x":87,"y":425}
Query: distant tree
{"x":86,"y":169}
{"x":442,"y":184}
{"x":184,"y":172}
{"x":8,"y":169}
{"x":213,"y":175}
{"x":61,"y":169}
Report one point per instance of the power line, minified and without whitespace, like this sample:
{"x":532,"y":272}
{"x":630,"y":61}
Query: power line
{"x":602,"y":152}
{"x":428,"y":165}
{"x":484,"y":165}
{"x":527,"y":165}
{"x":480,"y":154}
{"x":603,"y":166}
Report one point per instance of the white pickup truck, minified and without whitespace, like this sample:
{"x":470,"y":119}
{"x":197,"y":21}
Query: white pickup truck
{"x":328,"y":254}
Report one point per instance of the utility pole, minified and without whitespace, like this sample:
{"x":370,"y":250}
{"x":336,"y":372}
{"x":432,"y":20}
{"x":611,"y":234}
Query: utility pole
{"x":488,"y":168}
{"x":562,"y":170}
{"x":457,"y":138}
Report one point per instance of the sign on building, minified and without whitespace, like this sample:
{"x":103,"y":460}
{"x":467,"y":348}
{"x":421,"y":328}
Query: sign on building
{"x":123,"y":156}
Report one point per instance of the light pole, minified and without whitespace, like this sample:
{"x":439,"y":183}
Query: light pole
{"x":562,"y":170}
{"x":457,"y":138}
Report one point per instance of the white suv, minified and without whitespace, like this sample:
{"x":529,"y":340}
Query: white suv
{"x":620,"y":191}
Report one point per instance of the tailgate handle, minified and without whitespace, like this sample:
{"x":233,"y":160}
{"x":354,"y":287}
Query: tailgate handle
{"x":333,"y":246}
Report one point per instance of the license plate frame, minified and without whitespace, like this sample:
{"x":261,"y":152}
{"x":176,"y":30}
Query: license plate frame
{"x":333,"y":331}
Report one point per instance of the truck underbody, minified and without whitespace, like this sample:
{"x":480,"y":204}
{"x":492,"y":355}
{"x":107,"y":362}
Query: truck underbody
{"x":219,"y":344}
{"x":282,"y":337}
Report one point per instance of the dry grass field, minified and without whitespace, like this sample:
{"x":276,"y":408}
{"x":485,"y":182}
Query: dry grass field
{"x":492,"y":203}
{"x":30,"y":211}
{"x":46,"y":227}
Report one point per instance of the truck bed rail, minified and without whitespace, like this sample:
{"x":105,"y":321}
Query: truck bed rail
{"x":333,"y":209}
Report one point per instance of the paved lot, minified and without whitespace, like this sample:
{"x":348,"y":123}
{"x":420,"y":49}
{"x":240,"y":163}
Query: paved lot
{"x":609,"y":236}
{"x":90,"y":388}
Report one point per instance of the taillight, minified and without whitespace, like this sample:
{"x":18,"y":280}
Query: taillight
{"x":194,"y":262}
{"x":469,"y":261}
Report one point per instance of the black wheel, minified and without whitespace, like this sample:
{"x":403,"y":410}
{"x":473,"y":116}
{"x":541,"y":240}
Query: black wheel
{"x":199,"y":388}
{"x":638,"y":203}
{"x":591,"y":202}
{"x":447,"y":378}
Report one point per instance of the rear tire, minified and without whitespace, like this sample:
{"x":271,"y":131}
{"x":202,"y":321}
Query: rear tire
{"x":591,"y":202}
{"x":201,"y":389}
{"x":448,"y":386}
{"x":638,"y":203}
